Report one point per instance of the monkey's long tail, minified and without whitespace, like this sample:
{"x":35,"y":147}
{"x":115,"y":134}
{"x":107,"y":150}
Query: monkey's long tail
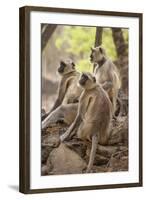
{"x":92,"y":153}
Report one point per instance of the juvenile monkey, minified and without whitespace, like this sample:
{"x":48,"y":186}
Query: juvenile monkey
{"x":106,"y":74}
{"x":68,"y":90}
{"x":94,"y":115}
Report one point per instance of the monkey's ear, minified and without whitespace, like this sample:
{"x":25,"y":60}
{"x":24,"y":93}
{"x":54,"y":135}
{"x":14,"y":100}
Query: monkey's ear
{"x":102,"y":50}
{"x":94,"y":79}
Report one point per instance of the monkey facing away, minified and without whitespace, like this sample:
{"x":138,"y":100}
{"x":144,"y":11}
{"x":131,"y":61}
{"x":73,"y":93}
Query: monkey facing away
{"x":68,"y":91}
{"x":106,"y":74}
{"x":94,"y":116}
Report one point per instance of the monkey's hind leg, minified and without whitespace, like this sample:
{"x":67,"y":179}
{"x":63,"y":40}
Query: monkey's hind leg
{"x":92,"y":153}
{"x":72,"y":129}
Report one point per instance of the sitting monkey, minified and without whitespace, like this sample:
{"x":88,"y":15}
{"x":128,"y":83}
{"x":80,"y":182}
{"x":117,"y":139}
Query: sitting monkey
{"x":94,"y":116}
{"x":106,"y":74}
{"x":68,"y":91}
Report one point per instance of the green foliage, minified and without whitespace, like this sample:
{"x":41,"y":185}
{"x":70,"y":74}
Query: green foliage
{"x":77,"y":39}
{"x":108,"y":44}
{"x":84,"y":65}
{"x":80,"y":39}
{"x":76,"y":42}
{"x":126,"y":35}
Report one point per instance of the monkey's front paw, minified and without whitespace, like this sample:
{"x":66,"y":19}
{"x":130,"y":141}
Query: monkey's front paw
{"x":64,"y":136}
{"x":88,"y":170}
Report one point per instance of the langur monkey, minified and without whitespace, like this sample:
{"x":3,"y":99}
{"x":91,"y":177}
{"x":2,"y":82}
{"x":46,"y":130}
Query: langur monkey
{"x":68,"y":91}
{"x":106,"y":74}
{"x":94,"y":116}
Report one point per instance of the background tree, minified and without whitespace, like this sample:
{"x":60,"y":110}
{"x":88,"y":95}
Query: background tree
{"x":74,"y":42}
{"x":98,"y":39}
{"x":98,"y":36}
{"x":119,"y":41}
{"x":122,"y":54}
{"x":47,"y":31}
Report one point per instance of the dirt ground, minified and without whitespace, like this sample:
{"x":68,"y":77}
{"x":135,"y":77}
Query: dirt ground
{"x":71,"y":157}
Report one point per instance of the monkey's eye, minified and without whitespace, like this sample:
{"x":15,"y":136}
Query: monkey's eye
{"x":84,"y":76}
{"x":62,"y":64}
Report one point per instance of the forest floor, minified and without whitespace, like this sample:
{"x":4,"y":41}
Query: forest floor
{"x":71,"y":157}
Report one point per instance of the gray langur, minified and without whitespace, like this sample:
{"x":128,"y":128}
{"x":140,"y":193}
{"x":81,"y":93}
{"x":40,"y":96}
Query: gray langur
{"x":106,"y":74}
{"x":93,"y":117}
{"x":68,"y":90}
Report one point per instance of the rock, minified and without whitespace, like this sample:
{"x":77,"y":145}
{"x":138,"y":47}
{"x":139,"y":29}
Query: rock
{"x":119,"y":161}
{"x":119,"y":132}
{"x":99,"y":169}
{"x":78,"y":146}
{"x":45,"y":151}
{"x":44,"y":170}
{"x":100,"y":160}
{"x":65,"y":161}
{"x":49,"y":142}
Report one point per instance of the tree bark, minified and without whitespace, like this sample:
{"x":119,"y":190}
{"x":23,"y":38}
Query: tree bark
{"x":98,"y":40}
{"x":122,"y":53}
{"x":98,"y":37}
{"x":47,"y":31}
{"x":119,"y":42}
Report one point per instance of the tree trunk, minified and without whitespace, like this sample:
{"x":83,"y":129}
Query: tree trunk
{"x":122,"y":53}
{"x":119,"y":41}
{"x":98,"y":40}
{"x":47,"y":31}
{"x":98,"y":37}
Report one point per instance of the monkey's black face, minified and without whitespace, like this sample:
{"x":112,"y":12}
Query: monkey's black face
{"x":66,"y":67}
{"x":62,"y":67}
{"x":92,"y":56}
{"x":83,"y":79}
{"x":87,"y":81}
{"x":96,"y":54}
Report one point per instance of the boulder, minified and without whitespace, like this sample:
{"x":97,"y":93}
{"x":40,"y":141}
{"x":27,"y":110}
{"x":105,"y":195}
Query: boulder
{"x":63,"y":160}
